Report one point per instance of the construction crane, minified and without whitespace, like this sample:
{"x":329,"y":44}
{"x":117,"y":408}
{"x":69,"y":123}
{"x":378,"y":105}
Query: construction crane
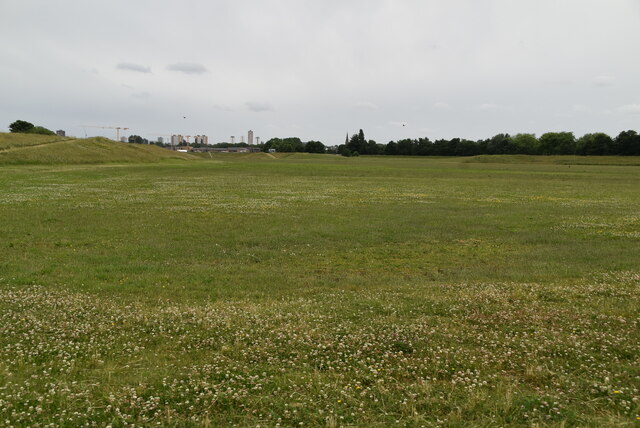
{"x":117,"y":128}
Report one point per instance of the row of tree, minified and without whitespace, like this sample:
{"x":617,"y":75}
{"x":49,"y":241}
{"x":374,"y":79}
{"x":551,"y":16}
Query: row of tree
{"x":627,"y":143}
{"x":24,"y":127}
{"x":293,"y":144}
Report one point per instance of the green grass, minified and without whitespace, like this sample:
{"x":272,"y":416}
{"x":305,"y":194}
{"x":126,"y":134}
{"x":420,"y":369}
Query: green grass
{"x":558,"y":160}
{"x":315,"y":289}
{"x":49,"y":150}
{"x":8,"y":141}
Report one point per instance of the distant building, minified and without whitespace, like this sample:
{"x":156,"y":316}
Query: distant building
{"x":61,"y":133}
{"x":160,"y":140}
{"x":201,"y":139}
{"x":224,"y":149}
{"x":123,"y":139}
{"x":250,"y":138}
{"x":233,"y":139}
{"x":176,"y":140}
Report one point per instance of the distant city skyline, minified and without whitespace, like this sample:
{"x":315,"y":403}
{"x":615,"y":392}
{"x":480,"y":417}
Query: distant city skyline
{"x":396,"y":69}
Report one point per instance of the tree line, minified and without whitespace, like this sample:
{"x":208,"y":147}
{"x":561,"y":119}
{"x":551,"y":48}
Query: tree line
{"x":293,"y":144}
{"x":627,"y":143}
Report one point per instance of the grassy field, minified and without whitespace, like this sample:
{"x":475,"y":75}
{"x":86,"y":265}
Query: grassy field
{"x":315,"y":290}
{"x":21,"y":149}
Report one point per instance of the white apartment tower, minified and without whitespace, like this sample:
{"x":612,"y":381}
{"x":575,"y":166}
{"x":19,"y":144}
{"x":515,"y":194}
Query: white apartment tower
{"x":250,"y":138}
{"x":201,"y":139}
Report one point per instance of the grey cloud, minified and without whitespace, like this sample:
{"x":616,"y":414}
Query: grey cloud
{"x":365,"y":105}
{"x":442,"y":106}
{"x":580,"y":108}
{"x":141,"y":95}
{"x":259,"y":107}
{"x":187,"y":68}
{"x":222,"y":107}
{"x":491,"y":107}
{"x":133,"y":67}
{"x":630,"y":109}
{"x":397,"y":124}
{"x":602,"y":81}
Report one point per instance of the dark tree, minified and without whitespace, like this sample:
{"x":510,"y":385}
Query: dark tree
{"x":500,"y":145}
{"x":136,"y":139}
{"x":391,"y":148}
{"x":406,"y":147}
{"x":627,"y":143}
{"x":269,"y":144}
{"x":372,"y":148}
{"x":314,"y":147}
{"x":558,"y":143}
{"x":295,"y":143}
{"x":358,"y":144}
{"x":525,"y":144}
{"x":424,"y":147}
{"x":21,"y":126}
{"x":594,"y":144}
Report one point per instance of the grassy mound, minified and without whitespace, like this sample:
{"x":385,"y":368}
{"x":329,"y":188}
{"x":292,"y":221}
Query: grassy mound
{"x":44,"y":149}
{"x":11,"y":141}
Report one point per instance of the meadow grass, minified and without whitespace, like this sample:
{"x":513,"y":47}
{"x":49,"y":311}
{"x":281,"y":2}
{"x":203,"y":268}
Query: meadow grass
{"x":20,"y":149}
{"x":14,"y":140}
{"x":291,"y":290}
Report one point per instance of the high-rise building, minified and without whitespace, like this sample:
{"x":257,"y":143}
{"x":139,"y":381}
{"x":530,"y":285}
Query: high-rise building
{"x":160,"y":140}
{"x":250,"y":138}
{"x":176,"y":140}
{"x":201,"y":139}
{"x":233,"y":139}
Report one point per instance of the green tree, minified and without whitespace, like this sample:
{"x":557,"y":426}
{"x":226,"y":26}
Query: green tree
{"x":558,"y":143}
{"x":295,"y":143}
{"x":500,"y":144}
{"x":21,"y":126}
{"x":136,"y":139}
{"x":406,"y":147}
{"x":358,"y":143}
{"x":628,"y":143}
{"x":270,"y":144}
{"x":391,"y":148}
{"x":526,"y":144}
{"x":314,"y":147}
{"x":594,"y":144}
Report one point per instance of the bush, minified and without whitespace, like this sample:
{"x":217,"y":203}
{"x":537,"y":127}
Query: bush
{"x":40,"y":130}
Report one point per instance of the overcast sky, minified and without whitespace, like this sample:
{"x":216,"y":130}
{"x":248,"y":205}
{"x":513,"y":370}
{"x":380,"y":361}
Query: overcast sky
{"x":318,"y":69}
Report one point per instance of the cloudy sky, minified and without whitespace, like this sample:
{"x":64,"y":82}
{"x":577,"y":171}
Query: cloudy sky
{"x":319,"y":69}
